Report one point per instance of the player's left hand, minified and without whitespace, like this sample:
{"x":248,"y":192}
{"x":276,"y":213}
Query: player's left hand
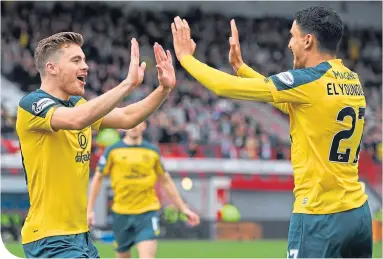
{"x":235,"y":56}
{"x":165,"y":69}
{"x":183,"y":44}
{"x":193,"y":218}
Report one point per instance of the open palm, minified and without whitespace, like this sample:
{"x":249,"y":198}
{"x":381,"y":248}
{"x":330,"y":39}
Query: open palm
{"x":136,"y":71}
{"x":235,"y":56}
{"x":165,"y":69}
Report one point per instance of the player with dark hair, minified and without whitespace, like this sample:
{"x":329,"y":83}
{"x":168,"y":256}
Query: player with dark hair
{"x":326,"y":106}
{"x":54,"y":125}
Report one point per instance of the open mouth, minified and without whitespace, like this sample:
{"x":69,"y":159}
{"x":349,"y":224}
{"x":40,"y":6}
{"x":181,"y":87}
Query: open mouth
{"x":81,"y":78}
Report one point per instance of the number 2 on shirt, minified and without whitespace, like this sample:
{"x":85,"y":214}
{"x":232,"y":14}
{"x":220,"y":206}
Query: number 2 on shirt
{"x":335,"y":155}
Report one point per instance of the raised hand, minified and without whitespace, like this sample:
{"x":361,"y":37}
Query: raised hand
{"x":183,"y":44}
{"x":235,"y":56}
{"x":165,"y":69}
{"x":136,"y":72}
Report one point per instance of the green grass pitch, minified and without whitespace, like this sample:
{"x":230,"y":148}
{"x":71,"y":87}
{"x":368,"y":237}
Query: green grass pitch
{"x":205,"y":249}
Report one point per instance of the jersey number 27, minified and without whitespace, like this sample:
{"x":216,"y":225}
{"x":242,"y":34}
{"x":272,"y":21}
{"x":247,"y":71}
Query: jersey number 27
{"x":335,"y":155}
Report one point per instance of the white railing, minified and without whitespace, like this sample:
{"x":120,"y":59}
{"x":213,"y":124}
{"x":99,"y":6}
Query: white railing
{"x":196,"y":165}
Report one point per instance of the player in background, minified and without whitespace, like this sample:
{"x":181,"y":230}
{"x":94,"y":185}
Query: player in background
{"x":54,"y":126}
{"x":326,"y":105}
{"x":134,"y":166}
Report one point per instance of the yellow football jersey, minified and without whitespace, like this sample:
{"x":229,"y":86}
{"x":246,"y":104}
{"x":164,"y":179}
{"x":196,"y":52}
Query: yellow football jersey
{"x":56,"y":165}
{"x":326,"y":106}
{"x":133,"y":171}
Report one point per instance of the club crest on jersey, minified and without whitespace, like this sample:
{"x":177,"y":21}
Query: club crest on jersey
{"x":82,"y":141}
{"x":286,"y":78}
{"x":38,"y":106}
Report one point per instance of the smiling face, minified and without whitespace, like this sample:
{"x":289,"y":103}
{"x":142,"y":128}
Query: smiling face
{"x":61,"y":61}
{"x":70,"y":69}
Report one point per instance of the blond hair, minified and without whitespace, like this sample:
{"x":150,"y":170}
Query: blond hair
{"x":49,"y":46}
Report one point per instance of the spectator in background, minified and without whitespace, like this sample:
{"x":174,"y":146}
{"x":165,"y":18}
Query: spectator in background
{"x":280,"y":152}
{"x":227,"y":147}
{"x":192,"y":148}
{"x":250,"y":151}
{"x":191,"y":111}
{"x":265,"y":147}
{"x":7,"y":122}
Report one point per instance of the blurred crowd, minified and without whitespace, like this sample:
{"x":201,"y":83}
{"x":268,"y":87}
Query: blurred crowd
{"x":192,"y":115}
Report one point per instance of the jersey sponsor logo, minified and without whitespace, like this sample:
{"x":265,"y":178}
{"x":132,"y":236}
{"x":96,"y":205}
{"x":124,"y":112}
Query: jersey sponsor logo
{"x":136,"y":172}
{"x":347,"y":75}
{"x":82,"y":140}
{"x":40,"y":105}
{"x":286,"y":78}
{"x":83,"y":143}
{"x":82,"y":158}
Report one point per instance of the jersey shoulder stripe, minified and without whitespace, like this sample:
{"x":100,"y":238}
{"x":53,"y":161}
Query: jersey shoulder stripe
{"x":298,"y":77}
{"x":73,"y":100}
{"x":108,"y":150}
{"x":146,"y":144}
{"x":106,"y":155}
{"x":37,"y":103}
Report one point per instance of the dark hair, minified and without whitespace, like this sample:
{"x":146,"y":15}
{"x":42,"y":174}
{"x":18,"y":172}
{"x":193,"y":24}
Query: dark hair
{"x":324,"y":23}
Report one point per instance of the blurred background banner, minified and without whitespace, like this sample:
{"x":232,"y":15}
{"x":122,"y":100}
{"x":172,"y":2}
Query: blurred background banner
{"x":220,"y":152}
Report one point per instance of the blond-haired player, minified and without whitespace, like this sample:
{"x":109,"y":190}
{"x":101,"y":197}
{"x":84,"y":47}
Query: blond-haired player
{"x":54,"y":125}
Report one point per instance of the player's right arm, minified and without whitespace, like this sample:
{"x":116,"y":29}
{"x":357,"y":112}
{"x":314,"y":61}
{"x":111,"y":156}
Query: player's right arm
{"x":172,"y":193}
{"x":90,"y":112}
{"x":84,"y":115}
{"x":41,"y":112}
{"x":46,"y":112}
{"x":281,"y":88}
{"x":94,"y":191}
{"x":103,"y":168}
{"x":242,"y":70}
{"x":247,"y":72}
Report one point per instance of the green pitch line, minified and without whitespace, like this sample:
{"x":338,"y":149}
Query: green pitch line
{"x":205,"y":249}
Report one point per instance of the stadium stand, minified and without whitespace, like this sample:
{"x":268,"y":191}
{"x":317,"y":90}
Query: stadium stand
{"x":193,"y":122}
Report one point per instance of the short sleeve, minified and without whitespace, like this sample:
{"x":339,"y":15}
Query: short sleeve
{"x":160,"y":169}
{"x":37,"y":111}
{"x":105,"y":162}
{"x":78,"y":100}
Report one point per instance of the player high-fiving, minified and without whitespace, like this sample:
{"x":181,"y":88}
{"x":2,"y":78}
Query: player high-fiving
{"x":54,"y":125}
{"x":329,"y":199}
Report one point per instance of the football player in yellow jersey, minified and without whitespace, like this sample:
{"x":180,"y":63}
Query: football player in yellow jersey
{"x":134,"y":166}
{"x":326,"y":105}
{"x":54,"y":126}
